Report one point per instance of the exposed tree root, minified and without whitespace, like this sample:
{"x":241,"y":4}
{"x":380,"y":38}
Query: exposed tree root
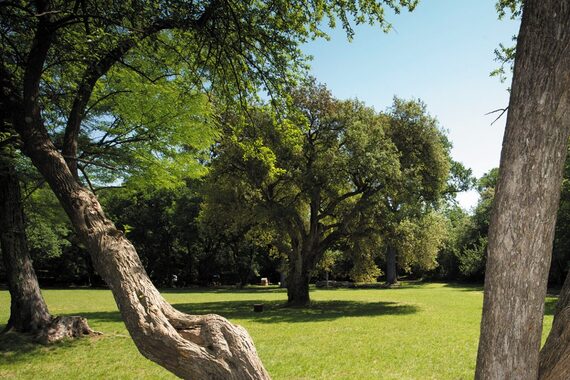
{"x":61,"y":328}
{"x":208,"y":347}
{"x":57,"y":329}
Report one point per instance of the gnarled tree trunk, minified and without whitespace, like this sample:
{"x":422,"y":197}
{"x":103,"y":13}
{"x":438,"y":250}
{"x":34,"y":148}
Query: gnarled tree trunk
{"x":28,"y":310}
{"x":528,"y":191}
{"x":198,"y":347}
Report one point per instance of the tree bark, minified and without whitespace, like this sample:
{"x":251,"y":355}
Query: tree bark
{"x":391,"y":270}
{"x":298,"y":281}
{"x":28,"y":310}
{"x":524,"y":211}
{"x":200,"y":347}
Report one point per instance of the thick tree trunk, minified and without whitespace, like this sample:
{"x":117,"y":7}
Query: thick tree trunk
{"x":555,"y":355}
{"x":528,"y":191}
{"x":298,"y":281}
{"x":391,"y":270}
{"x":28,"y":310}
{"x":198,"y":347}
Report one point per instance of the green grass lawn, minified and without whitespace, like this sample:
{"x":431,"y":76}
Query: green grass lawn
{"x":418,"y":331}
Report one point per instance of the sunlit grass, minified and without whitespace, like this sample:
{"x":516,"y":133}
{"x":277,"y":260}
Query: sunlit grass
{"x":418,"y":331}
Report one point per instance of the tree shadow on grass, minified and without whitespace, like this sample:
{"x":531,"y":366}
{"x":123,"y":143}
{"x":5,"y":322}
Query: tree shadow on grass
{"x":466,"y":287}
{"x":20,"y":347}
{"x":16,"y":347}
{"x":275,"y":312}
{"x":223,"y":290}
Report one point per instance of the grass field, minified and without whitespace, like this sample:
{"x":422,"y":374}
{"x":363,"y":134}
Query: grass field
{"x":418,"y":331}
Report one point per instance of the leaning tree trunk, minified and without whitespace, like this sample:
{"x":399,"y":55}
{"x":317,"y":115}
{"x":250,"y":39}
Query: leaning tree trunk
{"x":28,"y":310}
{"x":298,"y":281}
{"x":190,"y":346}
{"x":528,"y":191}
{"x":391,"y":270}
{"x":555,"y":355}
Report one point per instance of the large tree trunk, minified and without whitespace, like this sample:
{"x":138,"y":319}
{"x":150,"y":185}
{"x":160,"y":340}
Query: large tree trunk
{"x":298,"y":281}
{"x":198,"y":347}
{"x":528,"y":191}
{"x":391,"y":270}
{"x":555,"y":355}
{"x":28,"y":310}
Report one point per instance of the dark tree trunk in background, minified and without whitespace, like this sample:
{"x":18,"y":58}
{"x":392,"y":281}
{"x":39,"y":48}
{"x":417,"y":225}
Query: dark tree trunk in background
{"x":524,"y":212}
{"x":391,"y":270}
{"x":298,"y":281}
{"x":28,"y":310}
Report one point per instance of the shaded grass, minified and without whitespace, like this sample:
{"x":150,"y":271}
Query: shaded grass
{"x":416,"y":331}
{"x":275,"y":312}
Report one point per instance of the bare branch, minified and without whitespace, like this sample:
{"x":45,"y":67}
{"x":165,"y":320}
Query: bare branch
{"x":108,"y":188}
{"x":502,"y":112}
{"x":143,"y":74}
{"x":84,"y":173}
{"x":106,"y":96}
{"x":90,"y":162}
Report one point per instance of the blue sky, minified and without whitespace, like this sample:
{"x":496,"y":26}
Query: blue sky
{"x":441,"y":53}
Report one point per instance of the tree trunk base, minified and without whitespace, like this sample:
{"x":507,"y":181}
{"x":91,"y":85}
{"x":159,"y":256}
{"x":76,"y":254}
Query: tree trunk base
{"x":298,"y":304}
{"x":394,"y":284}
{"x":58,"y":329}
{"x":217,"y":349}
{"x":61,"y":328}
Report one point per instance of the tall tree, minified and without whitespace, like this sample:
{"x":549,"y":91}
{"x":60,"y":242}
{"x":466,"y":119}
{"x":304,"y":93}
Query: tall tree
{"x":326,"y":174}
{"x":526,"y":199}
{"x":314,"y":175}
{"x":58,"y":50}
{"x":425,"y":165}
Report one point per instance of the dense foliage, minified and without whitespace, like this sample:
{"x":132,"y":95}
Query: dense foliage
{"x":222,"y":247}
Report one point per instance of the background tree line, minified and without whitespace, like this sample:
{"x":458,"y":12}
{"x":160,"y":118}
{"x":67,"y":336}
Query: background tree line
{"x":227,"y":227}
